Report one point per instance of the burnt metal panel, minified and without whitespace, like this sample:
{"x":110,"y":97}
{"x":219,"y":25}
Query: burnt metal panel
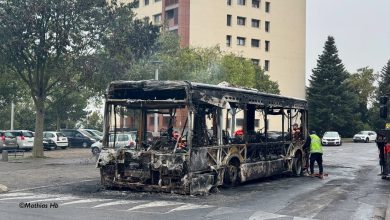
{"x":251,"y":171}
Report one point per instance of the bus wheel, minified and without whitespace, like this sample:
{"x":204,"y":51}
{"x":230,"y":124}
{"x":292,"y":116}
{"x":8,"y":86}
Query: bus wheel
{"x":297,"y":165}
{"x":231,"y":176}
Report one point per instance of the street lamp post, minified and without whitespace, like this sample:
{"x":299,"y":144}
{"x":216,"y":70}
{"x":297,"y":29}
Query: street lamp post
{"x":12,"y":115}
{"x":156,"y":78}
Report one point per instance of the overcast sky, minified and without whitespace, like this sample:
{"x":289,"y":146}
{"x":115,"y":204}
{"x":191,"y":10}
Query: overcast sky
{"x":361,"y":29}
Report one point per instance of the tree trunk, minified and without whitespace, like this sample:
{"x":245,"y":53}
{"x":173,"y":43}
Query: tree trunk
{"x":37,"y":151}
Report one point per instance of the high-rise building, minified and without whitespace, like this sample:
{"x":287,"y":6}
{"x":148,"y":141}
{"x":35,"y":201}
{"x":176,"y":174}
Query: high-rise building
{"x":269,"y":32}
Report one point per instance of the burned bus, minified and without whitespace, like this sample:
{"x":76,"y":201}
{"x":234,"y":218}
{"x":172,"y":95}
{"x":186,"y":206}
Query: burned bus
{"x":189,"y":138}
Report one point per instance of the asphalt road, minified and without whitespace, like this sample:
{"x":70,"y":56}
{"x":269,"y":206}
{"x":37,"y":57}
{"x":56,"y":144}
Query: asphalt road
{"x":68,"y":188}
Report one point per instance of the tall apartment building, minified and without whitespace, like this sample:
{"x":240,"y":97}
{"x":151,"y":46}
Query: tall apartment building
{"x":269,"y":32}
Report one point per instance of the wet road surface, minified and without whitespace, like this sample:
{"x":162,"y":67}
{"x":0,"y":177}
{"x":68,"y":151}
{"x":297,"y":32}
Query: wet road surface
{"x":70,"y":189}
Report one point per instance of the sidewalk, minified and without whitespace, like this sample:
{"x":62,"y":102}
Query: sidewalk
{"x":59,"y":167}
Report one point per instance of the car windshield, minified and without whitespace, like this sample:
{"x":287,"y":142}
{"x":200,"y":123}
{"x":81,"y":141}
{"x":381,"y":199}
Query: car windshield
{"x":97,"y":132}
{"x":363,"y":132}
{"x":331,"y":134}
{"x":27,"y":134}
{"x":60,"y":134}
{"x":9,"y":134}
{"x":15,"y":133}
{"x":86,"y":133}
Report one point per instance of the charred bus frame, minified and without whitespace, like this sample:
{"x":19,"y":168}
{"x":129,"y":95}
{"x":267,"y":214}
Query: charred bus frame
{"x":198,"y":159}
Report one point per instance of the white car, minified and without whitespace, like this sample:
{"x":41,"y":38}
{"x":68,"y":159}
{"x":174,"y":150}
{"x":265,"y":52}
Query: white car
{"x":331,"y":138}
{"x":24,"y":139}
{"x":122,"y":140}
{"x":59,"y":138}
{"x":364,"y":136}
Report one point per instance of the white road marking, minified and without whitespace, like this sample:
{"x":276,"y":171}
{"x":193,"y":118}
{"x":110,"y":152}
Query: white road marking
{"x":120,"y":202}
{"x":155,"y":204}
{"x":28,"y":197}
{"x":85,"y":201}
{"x":15,"y":194}
{"x":300,"y":218}
{"x":64,"y":198}
{"x":189,"y":207}
{"x":224,"y":211}
{"x":261,"y":215}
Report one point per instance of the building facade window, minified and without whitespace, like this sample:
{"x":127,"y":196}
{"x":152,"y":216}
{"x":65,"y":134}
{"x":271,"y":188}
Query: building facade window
{"x":255,"y":43}
{"x":241,"y":2}
{"x":241,"y":20}
{"x":255,"y":23}
{"x":229,"y":20}
{"x":146,"y":2}
{"x":228,"y":40}
{"x":157,"y":18}
{"x":255,"y":62}
{"x":241,"y":41}
{"x":267,"y":26}
{"x":157,"y":0}
{"x":229,"y":2}
{"x":267,"y":45}
{"x":267,"y":7}
{"x":266,"y":65}
{"x":256,"y":3}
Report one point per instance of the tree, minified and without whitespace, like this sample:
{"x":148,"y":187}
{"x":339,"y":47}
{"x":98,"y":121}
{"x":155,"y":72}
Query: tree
{"x":206,"y":65}
{"x":362,"y":84}
{"x":41,"y":39}
{"x":126,"y":41}
{"x":332,"y":103}
{"x":263,"y":83}
{"x":94,"y":121}
{"x":47,"y":42}
{"x":382,"y":89}
{"x":65,"y":108}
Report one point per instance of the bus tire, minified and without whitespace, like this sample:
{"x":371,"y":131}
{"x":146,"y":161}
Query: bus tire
{"x":297,"y":169}
{"x":231,"y":176}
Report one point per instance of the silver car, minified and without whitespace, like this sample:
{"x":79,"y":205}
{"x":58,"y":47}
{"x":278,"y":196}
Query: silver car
{"x":7,"y":141}
{"x":364,"y":136}
{"x":122,"y":140}
{"x":59,"y":138}
{"x":24,"y":139}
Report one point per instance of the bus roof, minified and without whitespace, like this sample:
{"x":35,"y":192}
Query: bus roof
{"x":178,"y":90}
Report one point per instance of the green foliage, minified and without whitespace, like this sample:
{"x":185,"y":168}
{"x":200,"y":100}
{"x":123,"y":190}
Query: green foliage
{"x":126,"y":40}
{"x":94,"y":121}
{"x":66,"y":107}
{"x":382,"y":89}
{"x":332,"y":103}
{"x":206,"y":65}
{"x":362,"y":84}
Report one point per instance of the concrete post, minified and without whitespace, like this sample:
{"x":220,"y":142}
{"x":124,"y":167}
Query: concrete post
{"x":4,"y":156}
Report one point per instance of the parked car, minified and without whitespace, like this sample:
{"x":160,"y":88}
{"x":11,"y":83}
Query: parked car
{"x":59,"y":139}
{"x":78,"y":138}
{"x":364,"y":136}
{"x":7,"y":141}
{"x":24,"y":139}
{"x":331,"y":138}
{"x":126,"y":140}
{"x":49,"y":144}
{"x":97,"y":135}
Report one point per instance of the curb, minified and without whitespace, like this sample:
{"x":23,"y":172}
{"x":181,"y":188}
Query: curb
{"x":3,"y":189}
{"x":387,"y":215}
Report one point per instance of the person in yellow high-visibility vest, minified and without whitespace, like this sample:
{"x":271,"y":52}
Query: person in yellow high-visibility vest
{"x":315,"y":153}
